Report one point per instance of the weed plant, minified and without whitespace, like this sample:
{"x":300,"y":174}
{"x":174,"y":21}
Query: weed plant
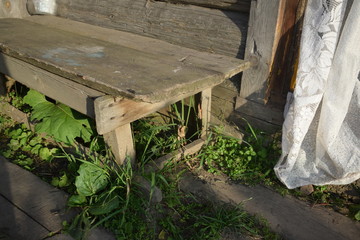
{"x":250,"y":160}
{"x":107,"y":195}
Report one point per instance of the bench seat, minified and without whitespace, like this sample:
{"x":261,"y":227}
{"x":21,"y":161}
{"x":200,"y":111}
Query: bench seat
{"x":121,"y":76}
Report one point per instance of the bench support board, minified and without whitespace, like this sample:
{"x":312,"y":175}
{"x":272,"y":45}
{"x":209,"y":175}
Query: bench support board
{"x":121,"y":143}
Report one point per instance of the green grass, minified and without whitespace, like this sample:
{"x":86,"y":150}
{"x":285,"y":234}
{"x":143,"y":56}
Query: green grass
{"x":108,"y":196}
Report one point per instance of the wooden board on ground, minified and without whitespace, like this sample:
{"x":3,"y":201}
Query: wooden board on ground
{"x":288,"y":216}
{"x":113,"y":68}
{"x":40,"y":201}
{"x":15,"y":224}
{"x":31,"y":209}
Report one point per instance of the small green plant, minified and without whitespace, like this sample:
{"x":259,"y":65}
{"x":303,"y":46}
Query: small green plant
{"x":249,"y":160}
{"x":22,"y":146}
{"x":58,"y":120}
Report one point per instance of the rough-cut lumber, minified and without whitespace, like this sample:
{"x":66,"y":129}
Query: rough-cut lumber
{"x":13,"y":8}
{"x":227,"y":91}
{"x":33,"y":208}
{"x":19,"y":186}
{"x":290,"y":217}
{"x":267,"y":113}
{"x":261,"y":43}
{"x":15,"y":114}
{"x":15,"y":224}
{"x":233,"y":5}
{"x":74,"y":95}
{"x":205,"y":111}
{"x":188,"y":149}
{"x":111,"y":68}
{"x":212,"y":30}
{"x":121,"y":143}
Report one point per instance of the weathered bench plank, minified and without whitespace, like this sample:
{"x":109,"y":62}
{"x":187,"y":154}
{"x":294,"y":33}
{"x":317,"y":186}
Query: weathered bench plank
{"x":74,"y":95}
{"x":113,"y":68}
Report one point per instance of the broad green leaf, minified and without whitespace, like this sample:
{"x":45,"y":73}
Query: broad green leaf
{"x":76,"y":200}
{"x":91,"y":179}
{"x":58,"y":120}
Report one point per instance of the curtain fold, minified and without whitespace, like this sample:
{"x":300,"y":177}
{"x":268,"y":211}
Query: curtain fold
{"x":321,"y":131}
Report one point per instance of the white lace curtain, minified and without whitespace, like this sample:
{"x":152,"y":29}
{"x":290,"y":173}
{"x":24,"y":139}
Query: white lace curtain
{"x":321,"y":132}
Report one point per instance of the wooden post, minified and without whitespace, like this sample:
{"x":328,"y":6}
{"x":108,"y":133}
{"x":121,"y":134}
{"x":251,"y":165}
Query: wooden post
{"x":121,"y":144}
{"x":205,"y":111}
{"x":273,"y":29}
{"x":118,"y":137}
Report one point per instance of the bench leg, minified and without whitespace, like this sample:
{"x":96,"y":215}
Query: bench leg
{"x":205,"y":108}
{"x":120,"y":141}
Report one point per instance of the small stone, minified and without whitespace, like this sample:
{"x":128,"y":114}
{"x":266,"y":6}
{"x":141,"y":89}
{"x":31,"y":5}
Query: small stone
{"x":307,"y":189}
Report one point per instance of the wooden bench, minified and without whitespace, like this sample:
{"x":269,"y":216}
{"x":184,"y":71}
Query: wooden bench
{"x":113,"y":76}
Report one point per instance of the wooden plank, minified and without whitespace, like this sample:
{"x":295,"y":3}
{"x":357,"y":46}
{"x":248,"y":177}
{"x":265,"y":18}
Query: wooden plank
{"x":266,"y":112}
{"x":188,"y":149}
{"x":38,"y":199}
{"x":222,"y":32}
{"x":121,"y":143}
{"x":290,"y":217}
{"x":74,"y":95}
{"x":15,"y":114}
{"x":221,"y":108}
{"x":258,"y":123}
{"x":113,"y":112}
{"x":111,"y":68}
{"x":13,"y":8}
{"x":15,"y":224}
{"x":261,"y":44}
{"x":205,"y":111}
{"x":233,"y":5}
{"x":126,"y":39}
{"x":287,"y":52}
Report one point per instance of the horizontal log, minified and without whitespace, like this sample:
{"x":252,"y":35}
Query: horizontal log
{"x":233,"y":5}
{"x":199,"y":28}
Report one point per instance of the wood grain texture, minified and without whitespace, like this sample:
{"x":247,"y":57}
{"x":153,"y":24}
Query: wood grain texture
{"x":186,"y":150}
{"x":233,"y":5}
{"x":267,"y":113}
{"x":15,"y":114}
{"x":74,"y":95}
{"x":256,"y":121}
{"x":121,"y":143}
{"x":15,"y":224}
{"x":260,"y":43}
{"x":111,"y":68}
{"x":13,"y":9}
{"x":200,"y":28}
{"x":38,"y":199}
{"x":286,"y":215}
{"x":113,"y":112}
{"x":205,"y":112}
{"x":226,"y":90}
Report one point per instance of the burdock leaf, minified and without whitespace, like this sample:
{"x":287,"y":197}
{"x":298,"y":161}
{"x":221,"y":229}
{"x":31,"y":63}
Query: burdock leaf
{"x":57,"y":119}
